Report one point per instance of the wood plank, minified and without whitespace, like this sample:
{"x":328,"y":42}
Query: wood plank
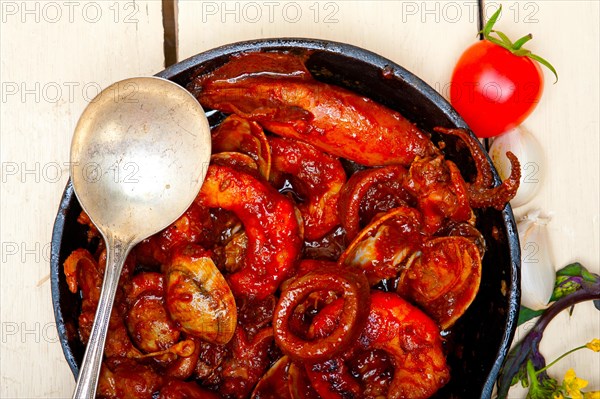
{"x":55,"y":58}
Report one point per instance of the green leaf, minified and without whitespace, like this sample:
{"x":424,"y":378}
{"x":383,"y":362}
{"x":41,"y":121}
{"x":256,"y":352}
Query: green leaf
{"x":504,"y":38}
{"x":490,"y":23}
{"x":577,"y":270}
{"x":526,"y":314}
{"x":546,"y":64}
{"x":495,"y":41}
{"x":522,"y":52}
{"x":587,"y":276}
{"x":572,"y":269}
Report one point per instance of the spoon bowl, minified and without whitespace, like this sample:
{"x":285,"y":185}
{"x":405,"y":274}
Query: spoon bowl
{"x":139,"y":155}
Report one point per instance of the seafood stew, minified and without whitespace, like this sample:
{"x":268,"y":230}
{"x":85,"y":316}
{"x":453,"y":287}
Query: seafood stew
{"x":432,"y":229}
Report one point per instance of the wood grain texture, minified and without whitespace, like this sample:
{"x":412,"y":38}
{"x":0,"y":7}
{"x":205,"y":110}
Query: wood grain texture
{"x":76,"y":57}
{"x":53,"y":63}
{"x":566,"y":122}
{"x":404,"y":31}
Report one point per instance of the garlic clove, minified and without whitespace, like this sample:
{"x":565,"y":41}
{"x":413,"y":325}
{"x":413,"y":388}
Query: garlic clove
{"x":537,"y":265}
{"x":528,"y":150}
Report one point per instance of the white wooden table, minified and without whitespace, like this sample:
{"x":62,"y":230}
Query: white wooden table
{"x":56,"y":55}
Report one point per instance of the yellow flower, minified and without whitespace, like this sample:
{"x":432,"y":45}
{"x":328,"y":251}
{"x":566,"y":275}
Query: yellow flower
{"x":558,"y":396}
{"x":594,"y":345}
{"x":592,"y":395}
{"x":573,"y":385}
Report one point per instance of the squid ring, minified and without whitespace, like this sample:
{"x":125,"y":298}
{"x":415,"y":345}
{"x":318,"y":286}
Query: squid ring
{"x":358,"y":186}
{"x":352,"y":287}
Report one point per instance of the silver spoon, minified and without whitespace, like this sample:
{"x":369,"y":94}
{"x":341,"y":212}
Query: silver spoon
{"x":139,"y":155}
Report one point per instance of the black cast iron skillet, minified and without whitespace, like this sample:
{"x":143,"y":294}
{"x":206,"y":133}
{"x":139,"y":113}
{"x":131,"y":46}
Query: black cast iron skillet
{"x":478,"y":343}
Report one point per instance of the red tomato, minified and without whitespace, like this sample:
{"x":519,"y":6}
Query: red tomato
{"x":493,"y":89}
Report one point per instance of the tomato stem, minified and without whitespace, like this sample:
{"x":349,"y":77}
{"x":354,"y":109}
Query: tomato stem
{"x":505,"y":39}
{"x":519,"y":43}
{"x":517,"y":47}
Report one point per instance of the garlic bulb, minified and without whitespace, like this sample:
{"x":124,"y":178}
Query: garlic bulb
{"x":531,"y":156}
{"x":537,"y":265}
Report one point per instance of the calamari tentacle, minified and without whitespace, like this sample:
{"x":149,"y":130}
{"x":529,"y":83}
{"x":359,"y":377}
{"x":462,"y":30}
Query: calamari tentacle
{"x":497,"y":197}
{"x":481,"y":192}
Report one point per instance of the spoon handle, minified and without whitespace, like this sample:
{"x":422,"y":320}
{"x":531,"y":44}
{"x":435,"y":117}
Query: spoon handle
{"x":87,"y":380}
